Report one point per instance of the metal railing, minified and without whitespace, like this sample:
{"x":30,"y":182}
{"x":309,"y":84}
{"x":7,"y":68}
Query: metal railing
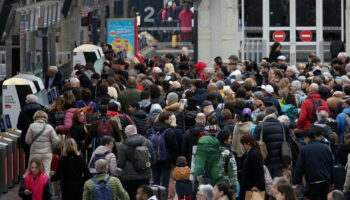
{"x":254,"y":49}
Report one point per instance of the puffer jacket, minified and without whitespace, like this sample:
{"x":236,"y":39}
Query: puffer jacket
{"x":44,"y":143}
{"x":111,"y":159}
{"x":141,"y":119}
{"x":207,"y":158}
{"x":273,"y":138}
{"x":186,"y":119}
{"x":125,"y":159}
{"x":241,"y":129}
{"x":306,"y":111}
{"x":181,"y":173}
{"x":68,"y":121}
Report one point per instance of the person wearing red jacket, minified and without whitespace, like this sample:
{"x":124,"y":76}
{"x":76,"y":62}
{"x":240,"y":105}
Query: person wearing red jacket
{"x":307,"y":107}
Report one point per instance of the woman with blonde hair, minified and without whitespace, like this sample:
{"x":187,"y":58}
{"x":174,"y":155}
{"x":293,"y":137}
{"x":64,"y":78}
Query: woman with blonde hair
{"x":72,"y":171}
{"x":42,"y":138}
{"x":169,"y":71}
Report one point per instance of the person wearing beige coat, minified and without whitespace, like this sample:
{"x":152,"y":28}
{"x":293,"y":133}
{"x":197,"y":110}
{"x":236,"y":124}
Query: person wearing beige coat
{"x":42,"y":138}
{"x":347,"y":177}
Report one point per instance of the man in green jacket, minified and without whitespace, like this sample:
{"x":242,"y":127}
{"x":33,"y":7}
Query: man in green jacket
{"x":130,"y":95}
{"x":118,"y":192}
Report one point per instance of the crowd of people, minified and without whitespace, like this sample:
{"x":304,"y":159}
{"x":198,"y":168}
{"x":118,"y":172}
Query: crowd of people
{"x":166,"y":127}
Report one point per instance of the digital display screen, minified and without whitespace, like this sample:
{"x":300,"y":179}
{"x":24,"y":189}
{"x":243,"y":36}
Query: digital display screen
{"x":8,"y":121}
{"x":2,"y":125}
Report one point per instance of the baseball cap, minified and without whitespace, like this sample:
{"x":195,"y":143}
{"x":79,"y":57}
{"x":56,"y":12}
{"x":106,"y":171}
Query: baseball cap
{"x":281,"y":57}
{"x":206,"y":103}
{"x":233,"y":56}
{"x":268,"y":88}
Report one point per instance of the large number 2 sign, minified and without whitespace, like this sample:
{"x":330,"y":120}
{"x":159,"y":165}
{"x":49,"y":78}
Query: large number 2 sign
{"x":149,"y":12}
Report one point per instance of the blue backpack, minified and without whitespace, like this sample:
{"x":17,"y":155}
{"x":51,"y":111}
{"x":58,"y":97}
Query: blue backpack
{"x":97,"y":157}
{"x":159,"y":144}
{"x":102,"y":190}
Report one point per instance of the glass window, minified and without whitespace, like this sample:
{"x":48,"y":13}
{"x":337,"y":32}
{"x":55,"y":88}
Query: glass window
{"x":253,"y":12}
{"x":306,"y":13}
{"x":279,"y":12}
{"x":332,"y":12}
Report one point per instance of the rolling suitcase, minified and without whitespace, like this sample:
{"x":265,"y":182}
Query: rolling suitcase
{"x":160,"y":192}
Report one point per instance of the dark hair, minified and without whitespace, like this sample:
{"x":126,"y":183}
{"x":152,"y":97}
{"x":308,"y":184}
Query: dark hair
{"x":90,"y":66}
{"x":340,"y":69}
{"x":338,"y":87}
{"x":113,"y":107}
{"x":225,"y":189}
{"x":291,"y":100}
{"x":140,"y":67}
{"x":103,"y":110}
{"x":164,"y":115}
{"x":223,"y":136}
{"x":107,"y":140}
{"x":102,"y":89}
{"x":86,"y":94}
{"x":199,"y":83}
{"x":147,"y":190}
{"x":169,"y":56}
{"x":155,"y":91}
{"x":310,"y":132}
{"x":248,"y":139}
{"x":287,"y":190}
{"x":241,"y":93}
{"x":212,"y":120}
{"x":181,"y":160}
{"x":226,"y":113}
{"x":134,"y":105}
{"x":231,"y":107}
{"x":218,"y":60}
{"x":76,"y":115}
{"x":274,"y":46}
{"x":145,"y":95}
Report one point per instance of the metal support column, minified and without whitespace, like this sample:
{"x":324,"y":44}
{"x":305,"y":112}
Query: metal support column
{"x":243,"y":31}
{"x":292,"y":32}
{"x":266,"y":26}
{"x":347,"y":28}
{"x":45,"y":54}
{"x":319,"y":29}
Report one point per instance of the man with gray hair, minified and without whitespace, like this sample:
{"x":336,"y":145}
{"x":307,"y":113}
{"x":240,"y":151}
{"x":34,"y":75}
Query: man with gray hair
{"x":309,"y":107}
{"x":116,"y":190}
{"x":131,"y":177}
{"x":54,"y":78}
{"x":25,"y":118}
{"x":295,"y":89}
{"x":343,"y":57}
{"x":335,"y":195}
{"x":206,"y":192}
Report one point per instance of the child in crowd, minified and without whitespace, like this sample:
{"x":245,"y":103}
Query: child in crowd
{"x":181,"y":174}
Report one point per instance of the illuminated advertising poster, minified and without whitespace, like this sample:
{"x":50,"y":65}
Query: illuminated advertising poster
{"x":122,"y":35}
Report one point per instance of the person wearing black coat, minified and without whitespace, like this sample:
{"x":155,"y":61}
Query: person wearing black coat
{"x":140,"y":118}
{"x":275,"y":52}
{"x":25,"y":118}
{"x":102,"y":97}
{"x":200,"y":93}
{"x":72,"y":172}
{"x":273,"y":131}
{"x":251,"y":172}
{"x":161,"y":169}
{"x":53,"y":79}
{"x":187,"y":118}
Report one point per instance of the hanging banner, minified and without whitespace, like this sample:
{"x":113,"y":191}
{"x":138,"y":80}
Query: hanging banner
{"x":122,"y":36}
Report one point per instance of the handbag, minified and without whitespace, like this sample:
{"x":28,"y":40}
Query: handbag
{"x":253,"y":195}
{"x":262,"y":145}
{"x":285,"y":149}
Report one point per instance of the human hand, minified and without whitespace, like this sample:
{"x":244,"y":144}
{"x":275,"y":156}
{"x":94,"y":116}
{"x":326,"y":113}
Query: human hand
{"x":27,"y":192}
{"x":295,"y":186}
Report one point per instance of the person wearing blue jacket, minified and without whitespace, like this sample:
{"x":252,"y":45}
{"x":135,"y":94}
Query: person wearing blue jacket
{"x":315,"y":162}
{"x":341,"y":121}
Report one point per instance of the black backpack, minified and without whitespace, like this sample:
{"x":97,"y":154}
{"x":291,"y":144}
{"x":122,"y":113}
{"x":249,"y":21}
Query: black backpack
{"x":314,"y":110}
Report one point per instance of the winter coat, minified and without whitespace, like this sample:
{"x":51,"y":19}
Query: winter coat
{"x":47,"y":191}
{"x":125,"y":159}
{"x":118,"y":191}
{"x":110,"y":157}
{"x":207,"y":158}
{"x":342,"y":154}
{"x":228,"y":168}
{"x":140,"y":118}
{"x":200,"y":95}
{"x":241,"y":129}
{"x":25,"y":118}
{"x":128,"y":97}
{"x":229,"y":125}
{"x":171,"y":145}
{"x":333,"y":101}
{"x":78,"y":133}
{"x":186,"y":119}
{"x":273,"y":138}
{"x":159,"y":101}
{"x":46,"y":141}
{"x":181,"y":175}
{"x":56,"y":118}
{"x":306,"y":111}
{"x":68,"y":121}
{"x":72,"y":172}
{"x":341,"y":121}
{"x":252,"y":172}
{"x":326,"y":131}
{"x":102,"y":99}
{"x":291,"y":111}
{"x":274,"y":55}
{"x":57,"y":82}
{"x":315,"y":162}
{"x":189,"y":140}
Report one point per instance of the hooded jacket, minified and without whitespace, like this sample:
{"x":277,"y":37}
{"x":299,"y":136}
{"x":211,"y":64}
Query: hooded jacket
{"x":186,"y":119}
{"x":140,"y":118}
{"x":111,"y":159}
{"x":306,"y":111}
{"x":241,"y":129}
{"x":333,"y":101}
{"x":125,"y":159}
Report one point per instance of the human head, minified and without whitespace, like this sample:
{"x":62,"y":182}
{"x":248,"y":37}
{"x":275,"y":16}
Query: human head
{"x":201,"y":118}
{"x":277,"y":182}
{"x":248,"y":142}
{"x":74,"y":82}
{"x":335,"y":195}
{"x":131,"y":81}
{"x":79,"y":116}
{"x":225,"y":137}
{"x":70,"y":147}
{"x":310,"y":133}
{"x":205,"y":192}
{"x":108,"y":142}
{"x":165,"y":117}
{"x":181,"y":160}
{"x":31,"y":98}
{"x":207,"y":107}
{"x":342,"y":56}
{"x":184,"y":51}
{"x":285,"y":192}
{"x":144,"y":192}
{"x":130,"y":130}
{"x":276,"y":47}
{"x":52,"y":71}
{"x":221,"y":189}
{"x":86,"y":94}
{"x":36,"y":166}
{"x":169,"y":68}
{"x":101,"y":166}
{"x":172,"y":98}
{"x":40,"y":115}
{"x":322,"y":116}
{"x":233,"y":59}
{"x":313,"y":88}
{"x":295,"y":85}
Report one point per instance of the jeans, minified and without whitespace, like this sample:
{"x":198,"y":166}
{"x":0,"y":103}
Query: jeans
{"x":161,"y":176}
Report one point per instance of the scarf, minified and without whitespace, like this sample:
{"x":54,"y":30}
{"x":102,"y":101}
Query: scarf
{"x":36,"y":185}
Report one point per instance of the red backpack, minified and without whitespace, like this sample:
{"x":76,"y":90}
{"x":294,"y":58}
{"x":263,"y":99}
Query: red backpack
{"x":104,"y":128}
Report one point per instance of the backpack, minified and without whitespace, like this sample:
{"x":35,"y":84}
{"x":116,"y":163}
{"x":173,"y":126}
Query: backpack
{"x":158,"y":143}
{"x":141,"y":157}
{"x":96,"y":157}
{"x":103,"y":128}
{"x":102,"y":189}
{"x":314,"y":110}
{"x":88,"y":109}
